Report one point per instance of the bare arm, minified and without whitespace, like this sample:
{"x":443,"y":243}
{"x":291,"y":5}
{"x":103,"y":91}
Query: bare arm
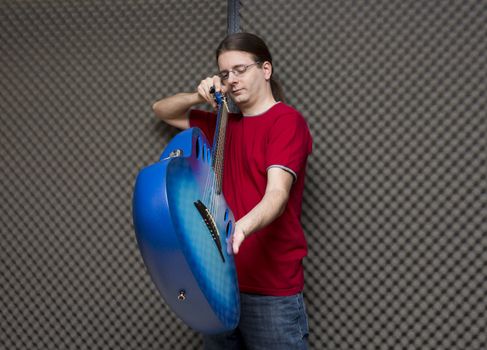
{"x":271,"y":206}
{"x":174,"y":109}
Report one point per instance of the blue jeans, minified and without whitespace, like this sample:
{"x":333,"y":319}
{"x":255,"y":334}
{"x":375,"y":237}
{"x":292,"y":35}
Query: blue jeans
{"x":266,"y":322}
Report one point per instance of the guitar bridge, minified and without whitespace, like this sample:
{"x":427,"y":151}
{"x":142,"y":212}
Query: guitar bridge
{"x":210,"y":223}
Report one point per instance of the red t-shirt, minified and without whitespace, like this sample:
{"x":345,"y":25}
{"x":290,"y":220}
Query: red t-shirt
{"x":270,"y":260}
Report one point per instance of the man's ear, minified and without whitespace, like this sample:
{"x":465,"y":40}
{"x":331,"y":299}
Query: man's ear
{"x":267,"y":67}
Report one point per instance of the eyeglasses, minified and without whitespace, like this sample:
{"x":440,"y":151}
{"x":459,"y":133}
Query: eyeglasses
{"x":237,"y":71}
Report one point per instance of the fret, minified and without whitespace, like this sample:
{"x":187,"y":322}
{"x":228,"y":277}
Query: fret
{"x":219,"y":140}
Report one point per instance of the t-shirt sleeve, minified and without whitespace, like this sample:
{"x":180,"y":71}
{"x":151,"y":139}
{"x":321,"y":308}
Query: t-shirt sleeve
{"x":205,"y":121}
{"x":289,"y":144}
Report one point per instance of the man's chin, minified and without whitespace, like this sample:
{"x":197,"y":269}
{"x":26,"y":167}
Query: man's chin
{"x":238,"y":99}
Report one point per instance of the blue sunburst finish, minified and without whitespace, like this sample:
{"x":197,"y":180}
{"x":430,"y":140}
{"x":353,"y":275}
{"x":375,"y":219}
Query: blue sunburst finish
{"x":196,"y":279}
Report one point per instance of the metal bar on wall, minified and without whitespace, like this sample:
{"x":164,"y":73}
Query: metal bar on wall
{"x":233,"y":17}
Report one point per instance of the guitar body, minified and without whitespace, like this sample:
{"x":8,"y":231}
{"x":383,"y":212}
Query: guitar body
{"x":181,"y":225}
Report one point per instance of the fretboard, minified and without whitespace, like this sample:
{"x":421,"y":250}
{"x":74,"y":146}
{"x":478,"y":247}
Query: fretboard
{"x":219,"y":144}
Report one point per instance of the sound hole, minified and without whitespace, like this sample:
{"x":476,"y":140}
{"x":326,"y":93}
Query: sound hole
{"x":225,"y":218}
{"x":228,"y":229}
{"x":197,"y":148}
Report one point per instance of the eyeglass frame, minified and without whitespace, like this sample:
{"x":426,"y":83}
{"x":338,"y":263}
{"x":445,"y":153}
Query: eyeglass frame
{"x":243,"y":69}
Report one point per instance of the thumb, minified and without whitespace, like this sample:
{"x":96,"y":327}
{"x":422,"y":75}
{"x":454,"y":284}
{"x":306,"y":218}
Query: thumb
{"x":238,"y":238}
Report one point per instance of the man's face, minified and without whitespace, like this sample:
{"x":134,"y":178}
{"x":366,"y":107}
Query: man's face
{"x":242,"y":87}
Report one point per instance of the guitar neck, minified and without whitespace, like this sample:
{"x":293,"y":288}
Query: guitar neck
{"x":219,"y":143}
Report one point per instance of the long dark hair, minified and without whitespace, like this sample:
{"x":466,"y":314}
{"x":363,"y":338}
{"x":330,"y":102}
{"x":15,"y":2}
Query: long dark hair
{"x":254,"y":45}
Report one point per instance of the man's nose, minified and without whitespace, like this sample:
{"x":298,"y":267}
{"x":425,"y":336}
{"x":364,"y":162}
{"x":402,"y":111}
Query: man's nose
{"x":232,"y":78}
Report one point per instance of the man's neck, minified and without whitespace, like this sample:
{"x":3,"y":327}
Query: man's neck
{"x":259,"y":107}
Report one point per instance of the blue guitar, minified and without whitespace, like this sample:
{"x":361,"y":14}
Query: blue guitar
{"x":182,"y":222}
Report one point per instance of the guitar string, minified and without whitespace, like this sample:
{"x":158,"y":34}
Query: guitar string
{"x":213,"y":183}
{"x":219,"y":151}
{"x":211,"y":179}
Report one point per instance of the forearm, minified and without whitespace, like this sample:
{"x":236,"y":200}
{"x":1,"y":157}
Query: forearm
{"x":173,"y":109}
{"x":265,"y":212}
{"x":270,"y":207}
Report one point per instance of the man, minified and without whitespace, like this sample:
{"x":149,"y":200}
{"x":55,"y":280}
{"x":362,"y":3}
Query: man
{"x":267,"y":145}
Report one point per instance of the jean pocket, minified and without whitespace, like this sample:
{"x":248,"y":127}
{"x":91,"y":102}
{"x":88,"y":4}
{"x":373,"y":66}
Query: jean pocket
{"x":303,"y":316}
{"x":292,"y":316}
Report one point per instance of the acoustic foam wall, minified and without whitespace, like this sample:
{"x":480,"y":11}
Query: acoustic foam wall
{"x":78,"y":81}
{"x":395,"y":203}
{"x":395,"y":208}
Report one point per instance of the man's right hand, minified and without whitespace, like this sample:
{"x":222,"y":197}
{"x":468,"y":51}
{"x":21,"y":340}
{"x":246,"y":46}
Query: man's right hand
{"x":205,"y":86}
{"x":174,"y":109}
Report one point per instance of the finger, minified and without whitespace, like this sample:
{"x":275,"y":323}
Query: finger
{"x":217,"y":83}
{"x":208,"y":84}
{"x":229,"y":241}
{"x":201,"y":90}
{"x":236,"y":246}
{"x":204,"y":91}
{"x":237,"y":241}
